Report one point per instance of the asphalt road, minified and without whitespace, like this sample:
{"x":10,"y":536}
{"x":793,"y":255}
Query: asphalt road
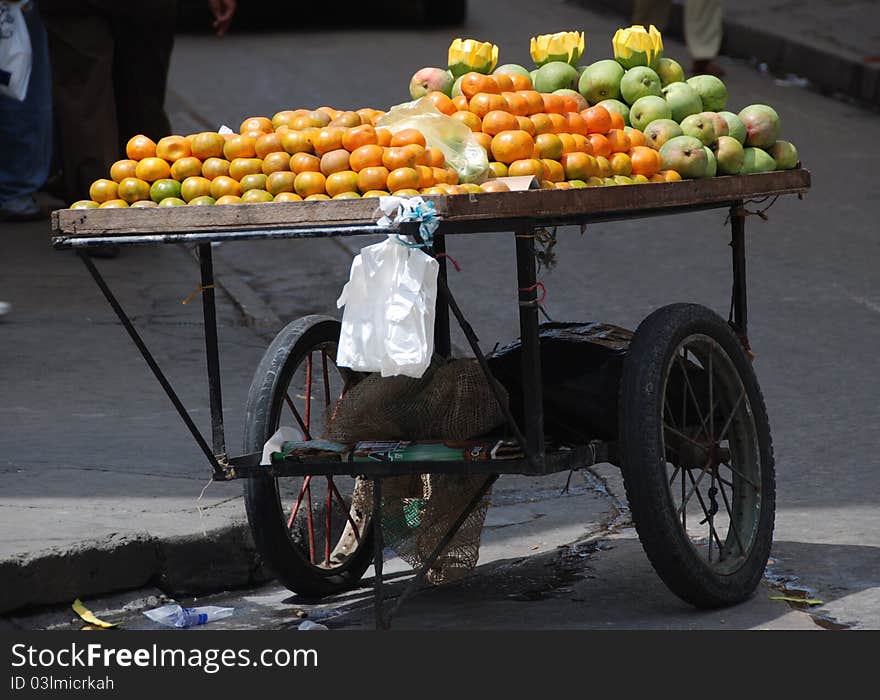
{"x":814,"y":305}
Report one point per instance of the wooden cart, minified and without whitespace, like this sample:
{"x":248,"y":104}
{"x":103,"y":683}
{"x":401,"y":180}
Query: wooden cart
{"x":693,"y":438}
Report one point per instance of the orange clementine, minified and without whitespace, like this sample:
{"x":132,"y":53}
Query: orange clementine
{"x":239,"y":167}
{"x":577,"y":124}
{"x":239,"y":146}
{"x":186,"y":167}
{"x":542,"y":123}
{"x":553,"y":170}
{"x":267,"y":143}
{"x":365,"y":157}
{"x":383,"y":137}
{"x":451,"y":176}
{"x":375,"y":193}
{"x":526,"y":166}
{"x":426,"y":176}
{"x":560,"y":123}
{"x":645,"y":161}
{"x":497,"y":169}
{"x":228,"y":199}
{"x":223,"y":185}
{"x":533,"y":99}
{"x":441,"y":101}
{"x":152,"y":169}
{"x":172,"y":148}
{"x":491,"y":186}
{"x":636,"y":137}
{"x":309,"y":183}
{"x":619,"y":141}
{"x":553,"y":104}
{"x":578,"y":166}
{"x":341,"y":181}
{"x":373,"y":177}
{"x":288,"y":197}
{"x":512,"y":145}
{"x":483,"y":102}
{"x":600,"y":144}
{"x":525,"y":124}
{"x":670,"y":175}
{"x":398,"y":157}
{"x":280,"y":181}
{"x":516,"y":104}
{"x":473,"y":83}
{"x":441,"y":175}
{"x":497,"y":121}
{"x":603,"y":167}
{"x":520,"y":82}
{"x":213,"y":167}
{"x":140,"y":147}
{"x":131,"y":189}
{"x":364,"y":135}
{"x":485,"y":140}
{"x":568,"y":144}
{"x":275,"y":162}
{"x":305,"y":162}
{"x":403,"y":178}
{"x":140,"y":204}
{"x":328,"y":139}
{"x":334,"y":162}
{"x":297,"y":142}
{"x":332,"y":112}
{"x":569,"y":104}
{"x":503,"y":81}
{"x":549,"y":145}
{"x":285,"y":117}
{"x":582,"y":143}
{"x":435,"y":157}
{"x":598,"y":120}
{"x":405,"y":137}
{"x":122,"y":169}
{"x":620,"y":163}
{"x":469,"y":119}
{"x":256,"y":196}
{"x":460,"y":102}
{"x":252,"y":124}
{"x":617,"y":121}
{"x":194,"y":186}
{"x":113,"y":204}
{"x":253,"y":181}
{"x":347,"y":120}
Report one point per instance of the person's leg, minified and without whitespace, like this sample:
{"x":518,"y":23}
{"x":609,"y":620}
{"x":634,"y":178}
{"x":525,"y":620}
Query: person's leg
{"x":81,"y":50}
{"x":648,"y":12}
{"x":703,"y":32}
{"x":145,"y":39}
{"x":26,"y":132}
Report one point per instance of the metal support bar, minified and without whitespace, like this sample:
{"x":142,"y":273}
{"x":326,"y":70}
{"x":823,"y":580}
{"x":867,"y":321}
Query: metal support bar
{"x":442,"y":340}
{"x":378,"y":555}
{"x":533,"y":401}
{"x":212,"y":352}
{"x":738,"y":250}
{"x":441,"y":546}
{"x":148,"y":357}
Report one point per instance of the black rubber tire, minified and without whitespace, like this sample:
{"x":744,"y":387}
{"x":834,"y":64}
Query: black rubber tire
{"x":644,"y":466}
{"x":262,"y":501}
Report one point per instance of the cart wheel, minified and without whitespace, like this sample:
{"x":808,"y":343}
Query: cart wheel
{"x":307,"y":529}
{"x":697,"y":457}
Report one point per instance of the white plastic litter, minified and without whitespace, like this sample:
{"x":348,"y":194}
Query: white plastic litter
{"x":176,"y":616}
{"x":309,"y":625}
{"x":284,"y":434}
{"x":15,"y":51}
{"x":390,"y":300}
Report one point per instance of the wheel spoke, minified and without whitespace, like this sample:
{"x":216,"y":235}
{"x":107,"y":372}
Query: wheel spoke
{"x":674,"y":474}
{"x":733,"y":411}
{"x":311,"y":524}
{"x":693,"y":396}
{"x":347,"y":511}
{"x":326,"y":378}
{"x":297,"y":416}
{"x":302,"y":492}
{"x":711,"y":435}
{"x":742,"y":549}
{"x":742,"y":476}
{"x":328,"y":522}
{"x":703,"y":473}
{"x":686,"y":438}
{"x":308,"y":415}
{"x":708,"y":517}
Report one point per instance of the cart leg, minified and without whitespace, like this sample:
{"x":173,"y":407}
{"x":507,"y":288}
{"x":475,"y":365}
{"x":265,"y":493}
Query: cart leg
{"x":442,"y":341}
{"x":378,"y":556}
{"x":212,"y":353}
{"x":739,"y":305}
{"x":151,"y":362}
{"x":531,"y":350}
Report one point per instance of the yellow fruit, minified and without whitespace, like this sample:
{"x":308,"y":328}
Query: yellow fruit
{"x":131,"y":189}
{"x":152,"y":169}
{"x":195,"y":186}
{"x":113,"y":204}
{"x":103,"y":191}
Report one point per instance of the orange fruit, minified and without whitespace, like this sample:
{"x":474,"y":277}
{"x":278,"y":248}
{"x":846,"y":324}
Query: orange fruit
{"x":140,"y":204}
{"x":582,"y":143}
{"x":375,"y":193}
{"x":347,"y":120}
{"x":131,"y":189}
{"x":670,"y":175}
{"x":186,"y":167}
{"x":503,"y":81}
{"x":204,"y":200}
{"x":534,"y":101}
{"x":373,"y":177}
{"x":403,"y":178}
{"x":365,"y":157}
{"x":525,"y":124}
{"x":208,"y":144}
{"x":497,"y":121}
{"x":451,"y":176}
{"x":122,"y":169}
{"x":228,"y":199}
{"x":483,"y":102}
{"x":152,"y":169}
{"x":347,"y":195}
{"x":297,"y":142}
{"x":328,"y":139}
{"x":441,"y":175}
{"x":577,"y":124}
{"x":460,"y":102}
{"x":309,"y":183}
{"x":267,"y":143}
{"x":334,"y":162}
{"x":560,"y":123}
{"x":636,"y":137}
{"x":469,"y":119}
{"x":364,"y":135}
{"x":213,"y":167}
{"x":240,"y":146}
{"x":405,"y":137}
{"x":441,"y":101}
{"x":426,"y":176}
{"x":164,"y":189}
{"x":171,"y":148}
{"x":620,"y":163}
{"x":567,"y":140}
{"x":383,"y":137}
{"x":193,"y":187}
{"x":553,"y":104}
{"x":113,"y":204}
{"x":645,"y":161}
{"x":619,"y":141}
{"x":317,"y":196}
{"x":341,"y":181}
{"x":516,"y":104}
{"x":578,"y":166}
{"x":399,"y":157}
{"x":253,"y":181}
{"x":485,"y":140}
{"x":542,"y":123}
{"x":617,"y":121}
{"x":239,"y":167}
{"x":285,"y":117}
{"x":512,"y":145}
{"x":598,"y":120}
{"x":491,"y":186}
{"x":497,"y":169}
{"x":549,"y":145}
{"x":553,"y":170}
{"x":288,"y":197}
{"x":280,"y":181}
{"x":273,"y":162}
{"x":256,"y":196}
{"x":256,"y":124}
{"x":473,"y":83}
{"x":600,"y":145}
{"x":603,"y":167}
{"x":140,"y":147}
{"x":305,"y":162}
{"x":526,"y":166}
{"x":223,"y":184}
{"x":569,"y":104}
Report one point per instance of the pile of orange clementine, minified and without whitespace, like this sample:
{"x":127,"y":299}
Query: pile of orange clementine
{"x":329,"y":153}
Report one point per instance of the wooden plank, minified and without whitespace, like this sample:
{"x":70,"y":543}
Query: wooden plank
{"x":535,"y":205}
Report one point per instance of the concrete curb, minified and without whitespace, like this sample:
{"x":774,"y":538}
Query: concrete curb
{"x":829,"y":72}
{"x":185,"y":565}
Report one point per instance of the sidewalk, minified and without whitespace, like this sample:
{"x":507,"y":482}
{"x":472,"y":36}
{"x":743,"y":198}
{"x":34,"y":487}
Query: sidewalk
{"x":835,"y":44}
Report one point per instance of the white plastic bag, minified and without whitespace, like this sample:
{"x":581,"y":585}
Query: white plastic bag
{"x":456,"y":141}
{"x":15,"y":51}
{"x":389,"y":299}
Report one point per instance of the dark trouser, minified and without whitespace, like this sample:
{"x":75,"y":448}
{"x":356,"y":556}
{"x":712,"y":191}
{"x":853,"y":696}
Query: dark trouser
{"x":110,"y":64}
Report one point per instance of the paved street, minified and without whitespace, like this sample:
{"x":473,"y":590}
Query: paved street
{"x":92,"y":449}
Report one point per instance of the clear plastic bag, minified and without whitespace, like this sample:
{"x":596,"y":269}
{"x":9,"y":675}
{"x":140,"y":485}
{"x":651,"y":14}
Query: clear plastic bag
{"x":15,"y":51}
{"x":461,"y":150}
{"x":390,"y":300}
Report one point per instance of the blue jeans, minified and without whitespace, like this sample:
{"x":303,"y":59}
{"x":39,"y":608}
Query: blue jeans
{"x":26,"y":127}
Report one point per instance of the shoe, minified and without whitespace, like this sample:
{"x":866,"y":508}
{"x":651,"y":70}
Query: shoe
{"x":707,"y":67}
{"x":24,"y":208}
